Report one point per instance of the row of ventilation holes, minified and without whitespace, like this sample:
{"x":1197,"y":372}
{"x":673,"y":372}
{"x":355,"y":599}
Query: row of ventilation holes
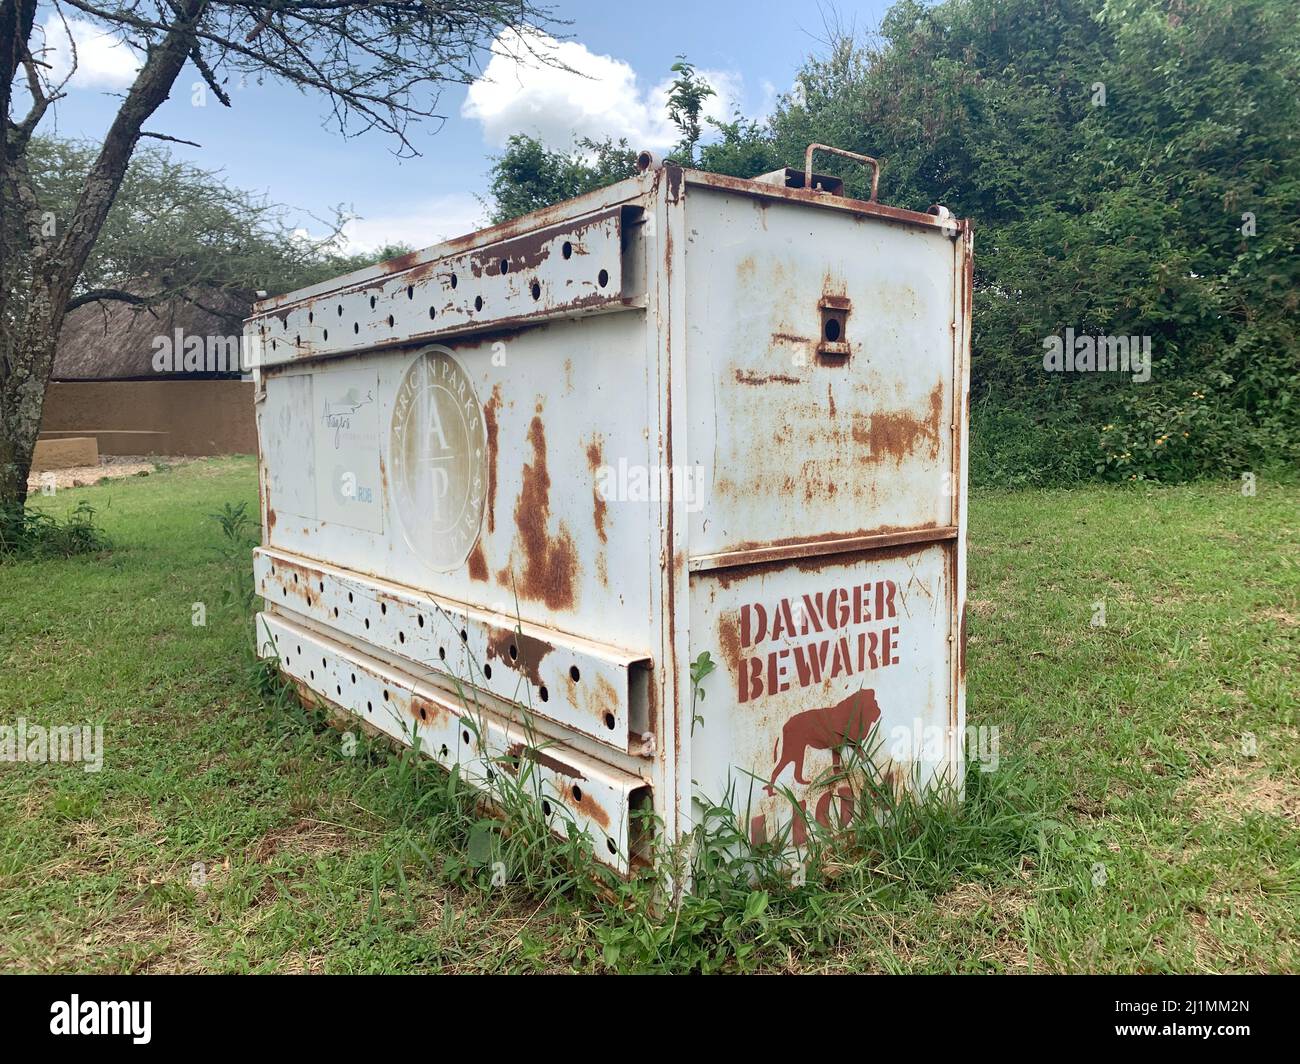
{"x":542,"y":692}
{"x":535,"y":289}
{"x":575,"y":790}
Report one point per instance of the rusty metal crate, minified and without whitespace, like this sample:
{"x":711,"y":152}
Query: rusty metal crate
{"x":515,"y":484}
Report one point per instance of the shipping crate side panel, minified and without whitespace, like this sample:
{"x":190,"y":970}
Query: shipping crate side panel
{"x":807,"y":654}
{"x":494,"y":471}
{"x":821,"y":361}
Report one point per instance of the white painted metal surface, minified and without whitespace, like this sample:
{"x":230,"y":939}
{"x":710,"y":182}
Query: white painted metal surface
{"x":512,"y":486}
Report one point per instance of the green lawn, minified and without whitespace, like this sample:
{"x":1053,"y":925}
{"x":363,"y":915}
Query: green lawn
{"x":1143,"y":817}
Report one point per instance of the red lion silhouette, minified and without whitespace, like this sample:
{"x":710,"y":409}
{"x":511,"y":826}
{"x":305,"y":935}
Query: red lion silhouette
{"x":830,"y":728}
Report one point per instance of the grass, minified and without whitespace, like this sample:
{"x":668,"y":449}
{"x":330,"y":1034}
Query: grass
{"x":1143,"y":817}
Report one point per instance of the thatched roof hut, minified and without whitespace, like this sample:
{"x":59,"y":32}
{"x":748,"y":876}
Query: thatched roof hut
{"x":192,"y":338}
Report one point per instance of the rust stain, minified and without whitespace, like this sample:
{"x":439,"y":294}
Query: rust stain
{"x":898,"y":433}
{"x":427,"y":712}
{"x":588,"y":805}
{"x":961,"y":646}
{"x":729,"y":639}
{"x":478,"y":569}
{"x":492,"y":426}
{"x":550,"y":563}
{"x":744,"y":376}
{"x":830,"y":398}
{"x":518,"y":751}
{"x":596,"y":459}
{"x":270,"y":518}
{"x":528,"y":655}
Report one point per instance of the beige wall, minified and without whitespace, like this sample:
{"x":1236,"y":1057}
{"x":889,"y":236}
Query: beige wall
{"x":179,"y":417}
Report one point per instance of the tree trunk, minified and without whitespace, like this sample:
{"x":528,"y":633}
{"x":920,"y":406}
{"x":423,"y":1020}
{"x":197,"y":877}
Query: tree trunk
{"x":27,"y":358}
{"x":22,"y":393}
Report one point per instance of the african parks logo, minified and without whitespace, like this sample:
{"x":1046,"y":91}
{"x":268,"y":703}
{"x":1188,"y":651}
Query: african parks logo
{"x":438,"y":443}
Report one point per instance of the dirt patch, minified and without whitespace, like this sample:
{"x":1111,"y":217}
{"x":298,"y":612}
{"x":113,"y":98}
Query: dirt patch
{"x":111,"y":467}
{"x":1239,"y":790}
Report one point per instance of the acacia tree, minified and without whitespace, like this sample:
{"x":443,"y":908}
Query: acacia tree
{"x":378,"y":64}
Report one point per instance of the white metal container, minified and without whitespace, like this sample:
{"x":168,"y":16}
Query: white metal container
{"x":515,"y":484}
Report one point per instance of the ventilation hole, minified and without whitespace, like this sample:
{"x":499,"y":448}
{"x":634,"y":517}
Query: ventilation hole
{"x":295,"y":578}
{"x":464,"y":636}
{"x":336,"y":611}
{"x":273,"y":570}
{"x":420,"y":619}
{"x":323,"y":664}
{"x":354,"y":677}
{"x":367,"y":622}
{"x":340,"y":310}
{"x":832,"y":330}
{"x":602,"y":278}
{"x":431,"y":313}
{"x":401,"y":637}
{"x":478,"y":302}
{"x":321,"y":584}
{"x":338,"y":690}
{"x":537,"y":290}
{"x":383,"y":608}
{"x":487,"y":672}
{"x":443,"y":752}
{"x":311,"y":316}
{"x":356,"y":326}
{"x":442,"y":653}
{"x":505,"y":265}
{"x":545,"y":694}
{"x":491,"y":776}
{"x":349,"y":596}
{"x":574,"y":674}
{"x":610,"y":721}
{"x":567,"y":250}
{"x":424,"y":713}
{"x":453,"y":280}
{"x":611,"y":845}
{"x":577,"y":793}
{"x":465,"y":737}
{"x":325,"y":334}
{"x":285,"y":590}
{"x":370,"y":707}
{"x":546,"y":807}
{"x":299,"y":650}
{"x":372,"y":302}
{"x":390,"y":321}
{"x":312,"y":673}
{"x":308,"y":600}
{"x":287,"y":660}
{"x":272,"y":345}
{"x":297,"y":340}
{"x":385,"y":694}
{"x":514,"y":652}
{"x":410,"y":291}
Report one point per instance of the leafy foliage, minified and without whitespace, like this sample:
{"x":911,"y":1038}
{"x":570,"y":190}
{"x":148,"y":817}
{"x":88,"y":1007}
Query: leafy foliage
{"x":528,"y":175}
{"x":1131,"y":169}
{"x":28,"y":533}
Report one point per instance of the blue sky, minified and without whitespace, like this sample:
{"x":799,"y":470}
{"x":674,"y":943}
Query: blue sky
{"x":273,"y":139}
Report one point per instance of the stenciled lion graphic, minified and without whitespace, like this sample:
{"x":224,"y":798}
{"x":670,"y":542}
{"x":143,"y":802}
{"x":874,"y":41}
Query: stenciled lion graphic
{"x":829,"y":728}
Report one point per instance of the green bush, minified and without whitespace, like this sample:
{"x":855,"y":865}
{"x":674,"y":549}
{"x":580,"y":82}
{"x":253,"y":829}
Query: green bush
{"x":34,"y":534}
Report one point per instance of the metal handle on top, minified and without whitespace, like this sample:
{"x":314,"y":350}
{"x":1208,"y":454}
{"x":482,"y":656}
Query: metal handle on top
{"x":873,"y":163}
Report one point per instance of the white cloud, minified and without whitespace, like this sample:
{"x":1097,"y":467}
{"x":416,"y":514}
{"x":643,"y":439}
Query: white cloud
{"x":596,"y":96}
{"x":418,"y":225}
{"x":103,"y":61}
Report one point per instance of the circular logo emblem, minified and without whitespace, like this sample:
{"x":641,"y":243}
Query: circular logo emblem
{"x":437,"y":442}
